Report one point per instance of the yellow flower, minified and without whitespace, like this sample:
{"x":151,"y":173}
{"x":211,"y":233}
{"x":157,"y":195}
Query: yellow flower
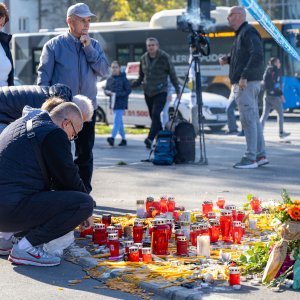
{"x":294,"y":212}
{"x":297,"y":202}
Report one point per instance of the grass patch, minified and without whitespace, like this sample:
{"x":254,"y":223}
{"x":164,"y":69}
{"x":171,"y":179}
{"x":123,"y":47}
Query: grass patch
{"x":105,"y":129}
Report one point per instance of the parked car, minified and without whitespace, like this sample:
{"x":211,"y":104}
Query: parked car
{"x":214,"y":108}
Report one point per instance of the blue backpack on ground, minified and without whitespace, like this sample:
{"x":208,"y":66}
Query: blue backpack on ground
{"x":164,"y":148}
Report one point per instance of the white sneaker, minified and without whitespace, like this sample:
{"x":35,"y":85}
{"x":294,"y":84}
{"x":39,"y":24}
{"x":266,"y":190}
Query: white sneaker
{"x":33,"y":256}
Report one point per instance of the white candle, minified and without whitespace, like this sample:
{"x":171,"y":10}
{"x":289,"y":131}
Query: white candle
{"x":203,"y":245}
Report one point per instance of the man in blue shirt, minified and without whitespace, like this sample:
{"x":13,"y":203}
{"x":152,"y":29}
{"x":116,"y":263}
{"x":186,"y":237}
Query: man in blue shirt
{"x":75,"y":59}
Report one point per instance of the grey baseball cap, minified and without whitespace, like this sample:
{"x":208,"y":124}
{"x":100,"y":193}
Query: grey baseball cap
{"x":81,"y":10}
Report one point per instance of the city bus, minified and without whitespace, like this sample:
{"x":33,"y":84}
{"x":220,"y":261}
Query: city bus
{"x":125,"y":41}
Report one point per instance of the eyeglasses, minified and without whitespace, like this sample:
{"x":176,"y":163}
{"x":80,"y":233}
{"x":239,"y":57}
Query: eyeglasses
{"x":75,"y":135}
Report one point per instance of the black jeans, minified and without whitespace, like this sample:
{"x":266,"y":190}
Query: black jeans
{"x":84,"y":152}
{"x":155,"y":106}
{"x":46,"y":215}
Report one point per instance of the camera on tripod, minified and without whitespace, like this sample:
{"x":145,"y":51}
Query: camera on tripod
{"x":195,"y":21}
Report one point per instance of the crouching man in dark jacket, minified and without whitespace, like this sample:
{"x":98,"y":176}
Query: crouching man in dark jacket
{"x":26,"y":203}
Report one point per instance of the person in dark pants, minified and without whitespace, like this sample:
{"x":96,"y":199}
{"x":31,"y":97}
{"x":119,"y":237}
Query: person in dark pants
{"x":27,"y":203}
{"x":155,"y":68}
{"x":75,"y":59}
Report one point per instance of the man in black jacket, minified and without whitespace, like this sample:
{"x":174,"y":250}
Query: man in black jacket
{"x":26,"y":203}
{"x":245,"y":73}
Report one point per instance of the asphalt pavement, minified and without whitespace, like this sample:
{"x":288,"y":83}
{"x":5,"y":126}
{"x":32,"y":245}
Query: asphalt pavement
{"x":121,"y":178}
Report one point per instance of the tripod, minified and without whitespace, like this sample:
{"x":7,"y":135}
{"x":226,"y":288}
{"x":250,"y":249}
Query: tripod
{"x":195,"y":60}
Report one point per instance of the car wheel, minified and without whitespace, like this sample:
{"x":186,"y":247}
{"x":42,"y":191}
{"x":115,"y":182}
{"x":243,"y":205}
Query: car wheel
{"x":100,"y":115}
{"x":216,"y":128}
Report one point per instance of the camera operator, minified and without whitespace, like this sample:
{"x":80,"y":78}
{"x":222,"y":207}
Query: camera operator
{"x":155,"y":68}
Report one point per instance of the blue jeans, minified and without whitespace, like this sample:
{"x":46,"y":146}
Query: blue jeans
{"x":118,"y":124}
{"x":247,"y":101}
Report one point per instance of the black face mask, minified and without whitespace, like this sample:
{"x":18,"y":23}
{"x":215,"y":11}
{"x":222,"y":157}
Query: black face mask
{"x":4,"y":37}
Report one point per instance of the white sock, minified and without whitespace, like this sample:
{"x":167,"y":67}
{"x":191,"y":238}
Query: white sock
{"x":24,"y":244}
{"x":6,"y":235}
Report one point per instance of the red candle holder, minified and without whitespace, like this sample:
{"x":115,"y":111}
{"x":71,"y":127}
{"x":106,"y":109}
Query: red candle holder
{"x":240,"y":215}
{"x":169,"y":222}
{"x":156,"y":204}
{"x":149,"y":202}
{"x":232,"y":208}
{"x":207,"y":206}
{"x":199,"y":218}
{"x":138,"y":230}
{"x":176,"y":215}
{"x":214,"y":230}
{"x":127,"y":245}
{"x":147,"y":255}
{"x":99,"y":234}
{"x":178,"y":232}
{"x":234,"y":276}
{"x":226,"y":224}
{"x":182,"y":246}
{"x":119,"y":229}
{"x":163,"y":205}
{"x":152,"y":212}
{"x":237,"y":232}
{"x":114,"y":244}
{"x":160,"y":237}
{"x":195,"y":231}
{"x":134,"y":254}
{"x":211,"y":215}
{"x":171,"y":204}
{"x":220,"y":202}
{"x":106,"y":219}
{"x":203,"y":228}
{"x":85,"y":232}
{"x":140,"y":247}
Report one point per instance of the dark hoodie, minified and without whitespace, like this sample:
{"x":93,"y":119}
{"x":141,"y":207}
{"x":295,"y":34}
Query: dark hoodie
{"x":120,"y":85}
{"x":4,"y":40}
{"x":272,"y":81}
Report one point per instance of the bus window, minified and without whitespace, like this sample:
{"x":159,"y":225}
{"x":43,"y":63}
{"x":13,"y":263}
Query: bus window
{"x":123,"y":54}
{"x":129,"y":53}
{"x":138,"y":51}
{"x":270,"y":50}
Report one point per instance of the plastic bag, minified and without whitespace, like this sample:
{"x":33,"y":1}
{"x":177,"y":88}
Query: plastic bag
{"x":56,"y":247}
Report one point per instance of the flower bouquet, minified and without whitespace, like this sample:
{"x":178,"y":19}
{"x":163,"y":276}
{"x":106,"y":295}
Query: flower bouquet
{"x":288,"y":213}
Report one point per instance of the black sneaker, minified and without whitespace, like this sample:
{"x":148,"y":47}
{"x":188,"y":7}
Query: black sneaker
{"x":148,"y":143}
{"x":283,"y":134}
{"x":111,"y":141}
{"x":246,"y":163}
{"x":241,"y":133}
{"x":123,"y":143}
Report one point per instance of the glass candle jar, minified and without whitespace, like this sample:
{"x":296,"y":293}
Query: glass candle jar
{"x":237,"y":232}
{"x":106,"y":219}
{"x":171,"y":204}
{"x":134,"y":254}
{"x":140,"y":208}
{"x":214,"y":230}
{"x":160,"y":237}
{"x":114,"y":244}
{"x":195,"y":231}
{"x":232,"y":208}
{"x":163,"y":204}
{"x":99,"y":234}
{"x":199,"y":218}
{"x":147,"y":255}
{"x":182,"y":245}
{"x":138,"y":230}
{"x":149,"y":202}
{"x":185,"y":227}
{"x":240,"y":215}
{"x":226,"y":224}
{"x":220,"y":202}
{"x":127,"y":245}
{"x":203,"y":228}
{"x":207,"y":206}
{"x":119,"y":229}
{"x":156,"y":204}
{"x":152,"y":212}
{"x":234,"y":276}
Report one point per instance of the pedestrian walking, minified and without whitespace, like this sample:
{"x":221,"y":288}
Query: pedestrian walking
{"x":245,"y":73}
{"x":273,"y":96}
{"x":75,"y":59}
{"x":118,"y":88}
